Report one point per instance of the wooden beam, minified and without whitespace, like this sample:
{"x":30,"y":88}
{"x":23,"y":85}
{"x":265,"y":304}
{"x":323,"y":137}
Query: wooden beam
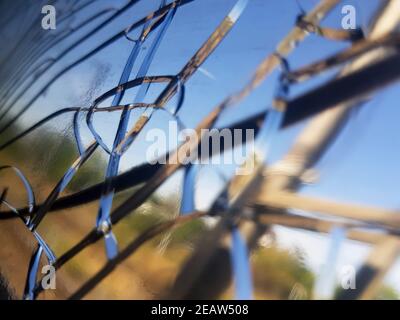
{"x":321,"y":226}
{"x":289,"y":200}
{"x":371,"y":274}
{"x":351,"y":87}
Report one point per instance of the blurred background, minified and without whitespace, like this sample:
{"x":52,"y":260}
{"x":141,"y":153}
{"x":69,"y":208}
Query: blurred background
{"x":360,"y":165}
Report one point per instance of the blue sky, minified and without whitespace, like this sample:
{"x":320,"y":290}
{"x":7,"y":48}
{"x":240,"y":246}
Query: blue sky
{"x":361,"y":166}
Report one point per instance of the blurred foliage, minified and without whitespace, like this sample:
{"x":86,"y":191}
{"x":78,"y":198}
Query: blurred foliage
{"x":276,"y":271}
{"x":53,"y":153}
{"x":387,"y":293}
